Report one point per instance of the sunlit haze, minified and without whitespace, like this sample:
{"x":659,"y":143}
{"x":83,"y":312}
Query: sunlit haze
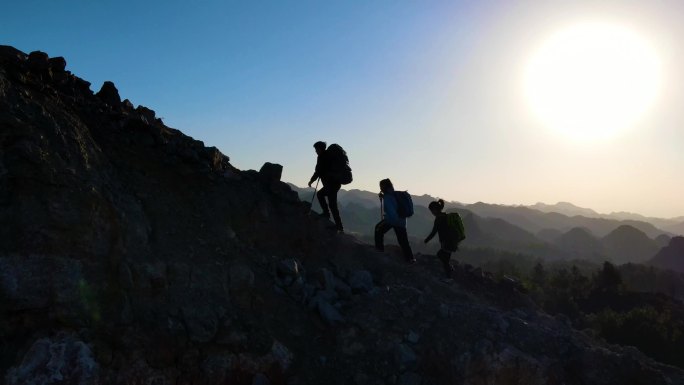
{"x":592,"y":80}
{"x":508,"y":102}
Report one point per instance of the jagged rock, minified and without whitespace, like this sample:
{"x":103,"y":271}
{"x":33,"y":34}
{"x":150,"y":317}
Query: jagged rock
{"x":128,"y":105}
{"x":271,"y":172}
{"x":328,"y":312}
{"x":37,"y":282}
{"x":201,"y":323}
{"x":343,"y":290}
{"x":109,"y":94}
{"x":412,"y":337}
{"x":241,"y":278}
{"x":361,"y":281}
{"x":216,"y":368}
{"x":38,"y":62}
{"x":410,"y":378}
{"x":63,"y":359}
{"x":217,"y":161}
{"x":288,"y":271}
{"x":404,"y":356}
{"x":260,"y":379}
{"x":147,"y":115}
{"x":326,"y":279}
{"x":57,"y":64}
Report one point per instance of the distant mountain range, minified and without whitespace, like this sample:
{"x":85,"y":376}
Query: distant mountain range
{"x":672,"y":225}
{"x":571,"y":232}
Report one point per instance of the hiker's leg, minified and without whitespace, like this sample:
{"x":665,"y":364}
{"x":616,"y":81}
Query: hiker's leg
{"x":332,"y":199}
{"x":402,"y":238}
{"x":321,"y":194}
{"x":380,"y":229}
{"x":445,"y":256}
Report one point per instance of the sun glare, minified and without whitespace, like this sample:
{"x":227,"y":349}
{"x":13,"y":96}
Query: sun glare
{"x":592,"y":80}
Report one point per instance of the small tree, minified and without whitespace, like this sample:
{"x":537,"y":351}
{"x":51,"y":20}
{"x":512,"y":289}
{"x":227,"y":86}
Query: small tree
{"x":538,"y":275}
{"x":608,"y":278}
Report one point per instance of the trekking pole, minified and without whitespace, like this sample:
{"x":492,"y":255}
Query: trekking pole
{"x":314,"y":195}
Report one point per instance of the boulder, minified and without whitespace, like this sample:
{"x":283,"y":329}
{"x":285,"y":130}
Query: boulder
{"x":361,"y":281}
{"x":62,"y":359}
{"x":271,"y":172}
{"x":109,"y":94}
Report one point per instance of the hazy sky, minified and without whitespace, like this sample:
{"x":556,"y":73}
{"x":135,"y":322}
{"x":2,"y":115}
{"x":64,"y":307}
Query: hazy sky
{"x":427,"y":93}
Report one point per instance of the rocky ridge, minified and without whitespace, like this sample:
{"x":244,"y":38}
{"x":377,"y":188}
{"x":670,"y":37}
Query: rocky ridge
{"x":131,"y":253}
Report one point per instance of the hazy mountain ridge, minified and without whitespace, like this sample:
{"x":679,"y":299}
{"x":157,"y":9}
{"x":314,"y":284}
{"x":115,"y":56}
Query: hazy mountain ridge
{"x":515,"y":228}
{"x":540,"y":216}
{"x":674,"y":225}
{"x":529,"y":220}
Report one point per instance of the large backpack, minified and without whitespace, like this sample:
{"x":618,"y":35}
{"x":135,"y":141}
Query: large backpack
{"x":339,"y":164}
{"x":404,"y":203}
{"x":455,"y":225}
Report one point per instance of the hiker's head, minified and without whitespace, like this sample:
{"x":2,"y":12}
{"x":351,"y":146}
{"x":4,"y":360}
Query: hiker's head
{"x":436,"y":206}
{"x":320,"y":147}
{"x":386,"y":185}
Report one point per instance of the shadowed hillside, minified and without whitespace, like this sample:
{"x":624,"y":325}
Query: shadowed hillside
{"x":581,"y":244}
{"x":671,"y":256}
{"x":628,"y":244}
{"x":133,"y":254}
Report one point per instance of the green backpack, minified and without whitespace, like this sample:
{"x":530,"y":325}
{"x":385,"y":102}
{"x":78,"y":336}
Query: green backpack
{"x":455,"y":224}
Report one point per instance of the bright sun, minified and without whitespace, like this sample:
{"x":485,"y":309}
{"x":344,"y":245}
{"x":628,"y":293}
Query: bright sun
{"x":592,"y":80}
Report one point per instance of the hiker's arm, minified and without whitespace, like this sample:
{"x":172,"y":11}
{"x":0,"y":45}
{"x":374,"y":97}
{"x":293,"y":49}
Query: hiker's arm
{"x":313,"y":178}
{"x":432,"y":233}
{"x":317,"y":171}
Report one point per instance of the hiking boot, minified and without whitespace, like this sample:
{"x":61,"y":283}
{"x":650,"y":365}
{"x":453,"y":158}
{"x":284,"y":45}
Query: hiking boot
{"x":411,"y":261}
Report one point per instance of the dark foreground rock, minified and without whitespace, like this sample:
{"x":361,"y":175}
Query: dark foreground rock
{"x":133,"y":254}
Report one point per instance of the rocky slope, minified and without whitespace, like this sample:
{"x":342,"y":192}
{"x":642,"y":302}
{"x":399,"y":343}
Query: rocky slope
{"x":133,"y":254}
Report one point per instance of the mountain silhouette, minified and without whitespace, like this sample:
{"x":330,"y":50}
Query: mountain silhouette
{"x":671,"y":256}
{"x":565,"y":208}
{"x":549,"y":235}
{"x":677,"y":228}
{"x":131,"y":253}
{"x":628,"y":244}
{"x":581,"y":244}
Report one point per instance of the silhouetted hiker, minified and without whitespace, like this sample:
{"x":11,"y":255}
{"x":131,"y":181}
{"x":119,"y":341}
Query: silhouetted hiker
{"x":450,"y":229}
{"x":392,"y":220}
{"x":328,"y":169}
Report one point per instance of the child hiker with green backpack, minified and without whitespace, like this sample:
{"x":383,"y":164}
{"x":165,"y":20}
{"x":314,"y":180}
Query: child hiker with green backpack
{"x":450,"y":229}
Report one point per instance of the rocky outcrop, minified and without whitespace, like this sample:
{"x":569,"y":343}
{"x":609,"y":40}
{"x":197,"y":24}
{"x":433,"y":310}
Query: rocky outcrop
{"x":135,"y":254}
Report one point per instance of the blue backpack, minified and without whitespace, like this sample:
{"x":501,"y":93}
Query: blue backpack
{"x":404,"y":203}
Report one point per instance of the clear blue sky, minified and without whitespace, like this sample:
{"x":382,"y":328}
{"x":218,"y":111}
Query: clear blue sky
{"x":426,"y":93}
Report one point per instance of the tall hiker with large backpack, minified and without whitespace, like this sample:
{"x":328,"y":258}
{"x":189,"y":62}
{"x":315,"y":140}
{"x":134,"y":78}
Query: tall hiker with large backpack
{"x":451,"y":232}
{"x":396,"y":206}
{"x":332,"y":166}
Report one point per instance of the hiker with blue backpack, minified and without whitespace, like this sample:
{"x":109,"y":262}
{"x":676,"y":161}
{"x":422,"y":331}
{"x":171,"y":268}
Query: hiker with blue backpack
{"x":449,"y":226}
{"x":332,"y":167}
{"x":396,"y":206}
